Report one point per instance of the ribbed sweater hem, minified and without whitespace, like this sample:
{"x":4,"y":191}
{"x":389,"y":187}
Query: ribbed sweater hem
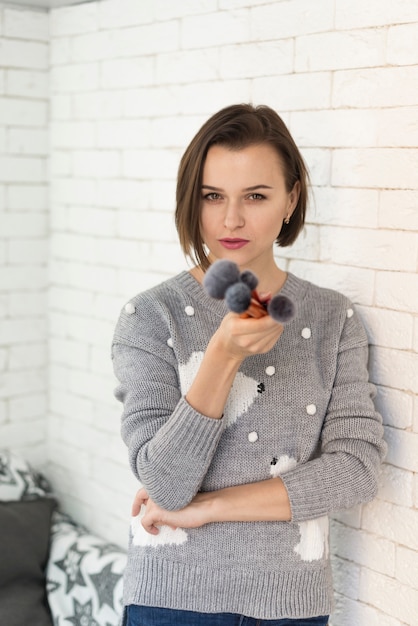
{"x":261,"y":595}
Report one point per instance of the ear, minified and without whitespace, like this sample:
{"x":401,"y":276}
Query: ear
{"x":293,"y":198}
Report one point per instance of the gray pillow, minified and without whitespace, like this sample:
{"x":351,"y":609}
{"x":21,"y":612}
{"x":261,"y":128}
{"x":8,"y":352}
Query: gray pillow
{"x":24,"y":546}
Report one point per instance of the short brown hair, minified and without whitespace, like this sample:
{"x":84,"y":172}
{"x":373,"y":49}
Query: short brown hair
{"x":236,"y":126}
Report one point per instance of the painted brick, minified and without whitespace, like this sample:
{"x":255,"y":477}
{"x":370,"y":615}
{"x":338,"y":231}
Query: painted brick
{"x":89,"y":47}
{"x":369,"y":248}
{"x":397,"y":127}
{"x":60,"y":164}
{"x":394,"y":368}
{"x":23,"y":224}
{"x":26,"y":24}
{"x":148,"y":164}
{"x":334,"y":128}
{"x":80,"y":276}
{"x":373,"y":13}
{"x":230,"y":27}
{"x":319,"y":165}
{"x":401,"y":49}
{"x":340,"y":50}
{"x":28,"y":141}
{"x":388,"y":329}
{"x":74,"y":191}
{"x":279,"y":20}
{"x":187,"y":66}
{"x":26,"y":83}
{"x":116,"y":14}
{"x":28,"y":251}
{"x":159,"y":226}
{"x":123,"y":134}
{"x":396,"y":486}
{"x":374,"y":87}
{"x":3,"y":412}
{"x":407,"y":566}
{"x":175,"y":132}
{"x":349,"y":612}
{"x":2,"y":81}
{"x":341,"y":206}
{"x":402,"y":448}
{"x":81,"y":18}
{"x":165,"y":9}
{"x":140,"y":40}
{"x":346,"y":576}
{"x":61,"y":50}
{"x":68,"y":405}
{"x":28,"y":198}
{"x":21,"y":277}
{"x":197,"y":98}
{"x":294,"y":92}
{"x":122,"y":73}
{"x":27,"y":54}
{"x":389,"y":595}
{"x":31,"y":381}
{"x":363,"y":548}
{"x":123,"y":194}
{"x":93,"y":221}
{"x":75,"y":78}
{"x":397,"y":290}
{"x":70,"y":300}
{"x":60,"y":107}
{"x":267,"y":58}
{"x":152,"y":101}
{"x":97,"y":105}
{"x":94,"y":164}
{"x":374,"y":168}
{"x":398,"y":209}
{"x":396,"y":523}
{"x":27,"y":356}
{"x":355,"y":283}
{"x":395,"y":406}
{"x":27,"y":304}
{"x":73,"y":134}
{"x":19,"y":331}
{"x":68,"y":352}
{"x":25,"y":407}
{"x":21,"y":112}
{"x":22,"y":169}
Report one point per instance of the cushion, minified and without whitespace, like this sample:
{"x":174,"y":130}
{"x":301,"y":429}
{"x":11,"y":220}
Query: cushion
{"x":84,"y":576}
{"x":24,"y":543}
{"x":18,"y":481}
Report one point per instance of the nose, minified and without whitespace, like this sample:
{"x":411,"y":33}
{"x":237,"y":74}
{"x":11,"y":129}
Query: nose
{"x":233,"y":217}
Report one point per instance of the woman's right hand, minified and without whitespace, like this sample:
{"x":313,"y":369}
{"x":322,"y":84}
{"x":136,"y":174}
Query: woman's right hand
{"x":239,"y":337}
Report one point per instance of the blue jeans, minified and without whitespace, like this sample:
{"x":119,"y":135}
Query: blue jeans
{"x":153,"y":616}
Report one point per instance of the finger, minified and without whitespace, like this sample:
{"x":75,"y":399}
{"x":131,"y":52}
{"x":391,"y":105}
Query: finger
{"x":141,"y":498}
{"x":149,"y":527}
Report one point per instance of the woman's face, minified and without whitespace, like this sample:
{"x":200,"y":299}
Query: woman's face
{"x":244,"y":203}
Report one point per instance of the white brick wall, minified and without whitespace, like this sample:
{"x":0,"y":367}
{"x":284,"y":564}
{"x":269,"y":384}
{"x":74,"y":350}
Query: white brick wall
{"x":24,"y":95}
{"x":130,"y":83}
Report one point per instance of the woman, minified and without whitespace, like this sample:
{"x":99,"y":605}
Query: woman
{"x":244,"y":434}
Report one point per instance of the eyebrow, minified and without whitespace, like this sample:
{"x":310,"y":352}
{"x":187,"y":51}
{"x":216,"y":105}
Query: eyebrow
{"x":253,"y":188}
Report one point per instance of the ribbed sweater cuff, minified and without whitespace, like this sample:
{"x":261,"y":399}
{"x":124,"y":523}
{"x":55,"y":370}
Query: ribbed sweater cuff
{"x":307,"y":494}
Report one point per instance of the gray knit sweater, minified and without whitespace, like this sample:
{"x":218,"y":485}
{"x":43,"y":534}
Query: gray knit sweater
{"x":303,"y":411}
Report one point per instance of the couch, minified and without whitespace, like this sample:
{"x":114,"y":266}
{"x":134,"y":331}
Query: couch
{"x":53,"y":571}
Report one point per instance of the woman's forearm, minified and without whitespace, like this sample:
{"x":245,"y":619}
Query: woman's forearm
{"x":264,"y":501}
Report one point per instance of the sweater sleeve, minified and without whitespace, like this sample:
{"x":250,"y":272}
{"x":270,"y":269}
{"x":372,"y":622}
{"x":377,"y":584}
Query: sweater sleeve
{"x":345,"y":472}
{"x":170,"y":445}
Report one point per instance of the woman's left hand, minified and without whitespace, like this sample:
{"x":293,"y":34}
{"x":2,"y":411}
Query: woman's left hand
{"x":194,"y":515}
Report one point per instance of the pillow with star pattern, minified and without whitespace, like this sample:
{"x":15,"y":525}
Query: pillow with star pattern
{"x":84,"y":576}
{"x":19,"y":481}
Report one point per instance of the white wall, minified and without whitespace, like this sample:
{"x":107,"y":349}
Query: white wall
{"x":131,"y":82}
{"x":24,"y":96}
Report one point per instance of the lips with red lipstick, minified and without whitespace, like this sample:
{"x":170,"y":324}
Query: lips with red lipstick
{"x":233,"y":243}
